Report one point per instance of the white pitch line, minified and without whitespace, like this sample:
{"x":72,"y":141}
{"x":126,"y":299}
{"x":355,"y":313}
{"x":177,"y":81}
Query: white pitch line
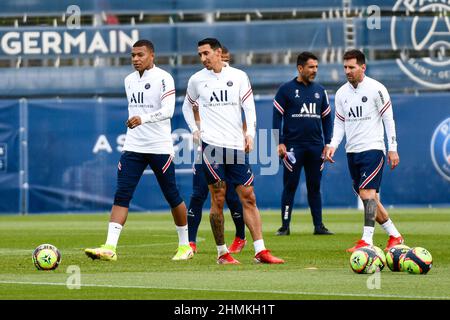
{"x":231,"y":290}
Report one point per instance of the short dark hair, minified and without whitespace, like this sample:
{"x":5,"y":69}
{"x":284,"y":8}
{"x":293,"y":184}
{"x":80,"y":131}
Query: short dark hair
{"x":355,"y":54}
{"x":225,"y":49}
{"x":213,"y":42}
{"x":144,"y":43}
{"x":304,"y":57}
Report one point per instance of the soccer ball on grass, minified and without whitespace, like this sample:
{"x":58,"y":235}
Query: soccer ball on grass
{"x":418,"y":260}
{"x":394,"y":255}
{"x":365,"y":260}
{"x":382,"y":261}
{"x":46,"y":257}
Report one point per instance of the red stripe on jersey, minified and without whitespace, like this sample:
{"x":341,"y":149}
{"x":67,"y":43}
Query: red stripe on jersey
{"x":190,"y":99}
{"x":168,"y":93}
{"x":372,"y":175}
{"x":277,"y":105}
{"x":340,"y":117}
{"x":248,"y":94}
{"x":326,"y":112}
{"x":386,"y":106}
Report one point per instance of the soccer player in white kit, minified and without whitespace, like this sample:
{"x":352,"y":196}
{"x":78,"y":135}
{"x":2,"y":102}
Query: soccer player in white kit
{"x":363,"y":105}
{"x":220,"y":93}
{"x":151,"y":103}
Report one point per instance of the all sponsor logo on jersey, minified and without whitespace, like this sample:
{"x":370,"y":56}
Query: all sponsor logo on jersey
{"x":440,"y":149}
{"x":138,"y":98}
{"x":428,"y":25}
{"x":220,"y":96}
{"x":307,"y":111}
{"x":355,"y":112}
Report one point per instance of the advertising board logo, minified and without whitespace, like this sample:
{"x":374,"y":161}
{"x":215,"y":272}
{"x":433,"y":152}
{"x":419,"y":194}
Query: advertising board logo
{"x":440,"y":149}
{"x":428,"y":26}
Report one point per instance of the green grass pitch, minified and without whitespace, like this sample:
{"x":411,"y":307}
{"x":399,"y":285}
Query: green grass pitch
{"x":317,"y":267}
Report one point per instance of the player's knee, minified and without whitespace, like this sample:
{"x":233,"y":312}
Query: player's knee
{"x":122,"y":198}
{"x":234,"y":205}
{"x":218,"y":198}
{"x":199,"y":197}
{"x":173,"y":198}
{"x":290,"y":187}
{"x":367,"y":194}
{"x":313,"y":187}
{"x":248,"y":198}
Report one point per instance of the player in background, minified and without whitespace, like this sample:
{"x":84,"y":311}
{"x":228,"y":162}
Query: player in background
{"x":363,"y":106}
{"x":200,"y":194}
{"x":226,"y":55}
{"x":151,"y":103}
{"x":302,"y":116}
{"x":221,"y":93}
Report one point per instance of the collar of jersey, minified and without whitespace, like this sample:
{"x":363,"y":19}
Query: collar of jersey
{"x":146,"y":73}
{"x":224,"y":69}
{"x":360,"y":85}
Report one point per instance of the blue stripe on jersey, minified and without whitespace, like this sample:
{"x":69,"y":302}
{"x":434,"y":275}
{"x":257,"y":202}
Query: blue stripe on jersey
{"x":306,"y":117}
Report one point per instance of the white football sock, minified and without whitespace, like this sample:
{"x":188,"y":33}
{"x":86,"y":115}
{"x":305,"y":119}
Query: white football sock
{"x":114,"y":230}
{"x":221,"y":250}
{"x":183,"y":238}
{"x":259,"y":246}
{"x":368,"y":235}
{"x":390,"y":229}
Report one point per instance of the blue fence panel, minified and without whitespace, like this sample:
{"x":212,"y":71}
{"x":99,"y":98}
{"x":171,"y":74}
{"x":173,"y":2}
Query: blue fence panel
{"x":10,"y":195}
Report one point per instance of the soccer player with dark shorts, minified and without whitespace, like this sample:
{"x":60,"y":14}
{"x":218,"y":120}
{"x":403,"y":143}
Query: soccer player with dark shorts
{"x":363,"y":113}
{"x":200,"y":193}
{"x":221,"y":94}
{"x":302,"y":117}
{"x":151,"y":103}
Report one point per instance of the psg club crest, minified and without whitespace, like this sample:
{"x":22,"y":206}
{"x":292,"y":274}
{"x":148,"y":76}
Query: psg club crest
{"x":428,"y":25}
{"x":230,"y":83}
{"x":440,"y":149}
{"x":147,"y":86}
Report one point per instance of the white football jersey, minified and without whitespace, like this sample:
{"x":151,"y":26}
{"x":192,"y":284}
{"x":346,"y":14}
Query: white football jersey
{"x":360,"y":113}
{"x":152,"y":97}
{"x":220,"y":98}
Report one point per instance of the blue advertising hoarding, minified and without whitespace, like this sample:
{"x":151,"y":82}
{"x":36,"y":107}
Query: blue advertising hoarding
{"x":61,"y":156}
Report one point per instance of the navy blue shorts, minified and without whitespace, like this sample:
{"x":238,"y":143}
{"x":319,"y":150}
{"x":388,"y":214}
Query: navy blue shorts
{"x":130,"y":169}
{"x":366,"y":169}
{"x":223,"y":164}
